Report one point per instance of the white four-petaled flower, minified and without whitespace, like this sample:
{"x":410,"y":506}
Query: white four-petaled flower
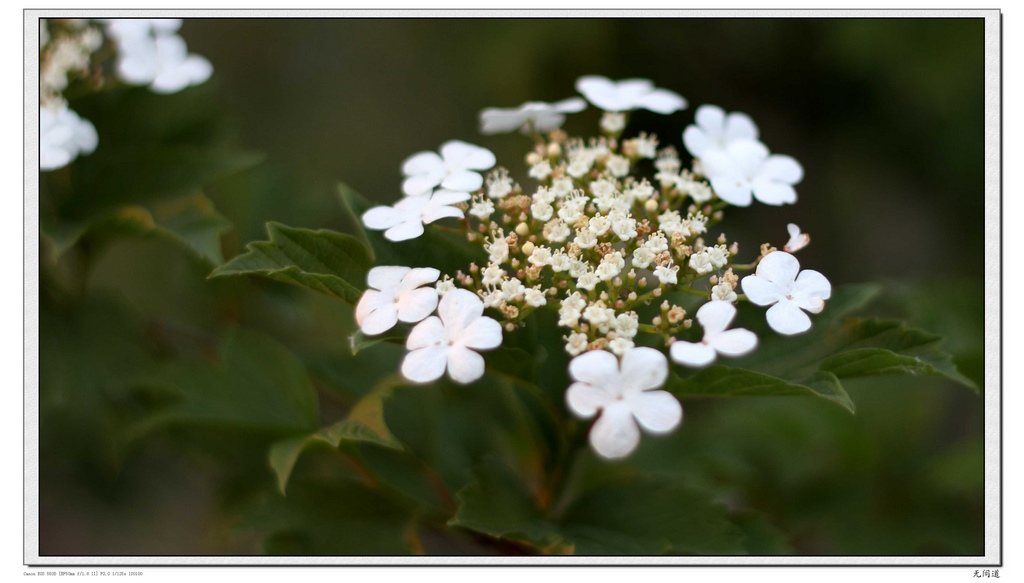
{"x":714,"y":317}
{"x":747,"y":169}
{"x":450,"y":339}
{"x":779,"y":281}
{"x":395,"y":294}
{"x":405,"y":220}
{"x":63,"y":136}
{"x":628,"y":94}
{"x":452,"y":170}
{"x":162,"y":62}
{"x":532,"y":115}
{"x":624,"y":396}
{"x":715,"y":131}
{"x":797,"y":240}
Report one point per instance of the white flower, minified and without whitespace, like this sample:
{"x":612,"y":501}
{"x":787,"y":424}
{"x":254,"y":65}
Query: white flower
{"x":492,"y":275}
{"x":482,"y":208}
{"x":666,"y":274}
{"x":497,"y":248}
{"x":576,"y":343}
{"x":540,"y":170}
{"x":617,"y":165}
{"x":718,"y":255}
{"x":797,"y":240}
{"x":129,"y":28}
{"x":624,"y":396}
{"x":560,"y":261}
{"x":612,"y":122}
{"x":532,"y":115}
{"x":395,"y":294}
{"x":586,"y":238}
{"x":63,"y":136}
{"x":716,"y":131}
{"x":714,"y":317}
{"x":723,"y":292}
{"x":778,"y":282}
{"x":541,"y":256}
{"x":444,"y":286}
{"x":641,"y":191}
{"x":620,"y":345}
{"x":642,"y":257}
{"x":561,"y":187}
{"x":556,"y":231}
{"x":628,"y":94}
{"x":701,"y":263}
{"x":656,"y":242}
{"x":542,"y":211}
{"x":627,"y":325}
{"x":624,"y":226}
{"x":449,"y":339}
{"x":405,"y":220}
{"x":535,"y":297}
{"x":746,"y":168}
{"x":512,"y":289}
{"x":162,"y":62}
{"x":492,"y":298}
{"x":587,"y":281}
{"x":611,"y":265}
{"x":598,"y":225}
{"x":670,"y":223}
{"x":498,"y":183}
{"x":453,"y":169}
{"x":570,"y":310}
{"x":579,"y":165}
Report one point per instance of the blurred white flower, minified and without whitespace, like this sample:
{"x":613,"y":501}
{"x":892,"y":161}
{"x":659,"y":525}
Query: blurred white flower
{"x":623,"y":394}
{"x":746,"y":169}
{"x":162,"y":62}
{"x":714,"y":317}
{"x":405,"y":220}
{"x":715,"y":131}
{"x":133,"y":28}
{"x":797,"y":240}
{"x":63,"y":136}
{"x":532,"y":115}
{"x":395,"y":294}
{"x":452,"y":170}
{"x":779,"y":281}
{"x":450,"y":339}
{"x":628,"y":94}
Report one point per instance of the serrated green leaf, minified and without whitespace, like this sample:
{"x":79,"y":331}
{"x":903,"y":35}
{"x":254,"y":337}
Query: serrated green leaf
{"x":325,"y":261}
{"x":634,"y":514}
{"x":364,"y":423}
{"x":724,"y":381}
{"x":257,"y":385}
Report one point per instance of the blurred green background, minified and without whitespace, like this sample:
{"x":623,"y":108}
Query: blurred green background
{"x":885,"y":115}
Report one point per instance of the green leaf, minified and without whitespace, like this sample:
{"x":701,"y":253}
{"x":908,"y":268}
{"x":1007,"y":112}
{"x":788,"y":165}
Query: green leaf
{"x":724,"y":381}
{"x":365,"y":423}
{"x":325,"y":261}
{"x":760,"y":536}
{"x":359,"y":342}
{"x":256,"y":385}
{"x":191,"y":221}
{"x":632,"y":514}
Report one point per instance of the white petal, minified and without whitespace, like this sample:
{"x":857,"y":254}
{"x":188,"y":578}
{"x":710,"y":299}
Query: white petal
{"x":386,"y":276}
{"x":602,"y":92}
{"x":760,"y":291}
{"x":644,"y":368}
{"x":171,"y":48}
{"x":482,"y":334}
{"x":462,"y":156}
{"x":739,"y":126}
{"x":697,"y":141}
{"x":662,"y":101}
{"x":426,"y":364}
{"x":749,"y":156}
{"x":446,"y":197}
{"x":416,"y":304}
{"x":584,"y":399}
{"x":782,"y":168}
{"x":778,"y":267}
{"x":464,"y":180}
{"x":547,"y":121}
{"x":570,"y":105}
{"x":421,"y":184}
{"x":170,"y":81}
{"x":419,"y":276}
{"x":787,"y":318}
{"x":438,"y":212}
{"x":734,"y":342}
{"x":773,"y":193}
{"x":464,"y":365}
{"x":733,"y":191}
{"x":409,"y":229}
{"x":717,"y":163}
{"x":457,"y":309}
{"x":793,"y":229}
{"x":85,"y":138}
{"x":371,"y":300}
{"x":379,"y":320}
{"x":499,"y":121}
{"x":715,"y":317}
{"x":429,"y":332}
{"x":656,"y":411}
{"x":810,"y":289}
{"x":711,"y":119}
{"x":692,"y":354}
{"x":382,"y":217}
{"x":423,"y":163}
{"x":597,"y":367}
{"x":52,"y":157}
{"x":615,"y":433}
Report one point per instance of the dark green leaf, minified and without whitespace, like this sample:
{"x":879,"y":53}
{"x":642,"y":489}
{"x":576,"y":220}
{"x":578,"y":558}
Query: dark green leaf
{"x":723,"y":381}
{"x":331,"y":263}
{"x":364,"y":423}
{"x":257,"y":385}
{"x":631,"y":515}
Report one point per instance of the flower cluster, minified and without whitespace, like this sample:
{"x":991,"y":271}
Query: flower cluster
{"x":608,"y":233}
{"x":149,"y":52}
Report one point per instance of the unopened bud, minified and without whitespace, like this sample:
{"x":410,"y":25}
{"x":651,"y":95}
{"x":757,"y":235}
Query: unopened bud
{"x":528,"y":247}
